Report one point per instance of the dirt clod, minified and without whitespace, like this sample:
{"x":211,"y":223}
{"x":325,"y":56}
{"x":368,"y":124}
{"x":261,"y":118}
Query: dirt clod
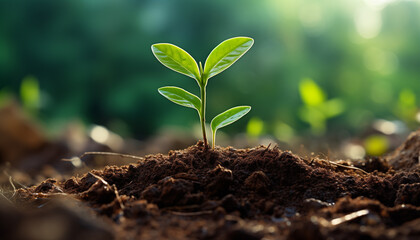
{"x":220,"y":180}
{"x":409,"y":194}
{"x":257,"y":182}
{"x":407,"y":156}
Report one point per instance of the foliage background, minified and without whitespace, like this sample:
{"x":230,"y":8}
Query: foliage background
{"x":91,"y":60}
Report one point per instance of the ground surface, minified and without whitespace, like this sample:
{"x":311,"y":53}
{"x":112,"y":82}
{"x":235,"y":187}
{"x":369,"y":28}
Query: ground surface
{"x":226,"y":193}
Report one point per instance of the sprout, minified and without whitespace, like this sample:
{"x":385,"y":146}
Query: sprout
{"x":221,"y":58}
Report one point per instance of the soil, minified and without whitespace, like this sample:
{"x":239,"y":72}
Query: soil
{"x":226,"y":193}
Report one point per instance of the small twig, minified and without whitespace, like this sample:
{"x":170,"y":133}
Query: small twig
{"x":47,"y":195}
{"x":340,"y":220}
{"x":350,"y":167}
{"x":265,"y":150}
{"x":13,"y":186}
{"x":343,"y":166}
{"x":262,"y":153}
{"x":349,"y":217}
{"x":113,"y":187}
{"x":111,"y":154}
{"x":22,"y":185}
{"x":100,"y":179}
{"x":118,"y":197}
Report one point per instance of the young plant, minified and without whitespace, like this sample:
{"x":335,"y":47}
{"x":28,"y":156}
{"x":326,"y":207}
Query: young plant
{"x":221,"y":58}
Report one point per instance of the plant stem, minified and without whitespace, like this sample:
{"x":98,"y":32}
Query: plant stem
{"x":214,"y":140}
{"x":203,"y":113}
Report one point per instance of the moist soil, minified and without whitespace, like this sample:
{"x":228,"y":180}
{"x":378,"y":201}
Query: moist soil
{"x":226,"y":193}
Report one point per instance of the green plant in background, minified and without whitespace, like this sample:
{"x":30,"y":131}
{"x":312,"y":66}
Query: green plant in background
{"x":376,"y":145}
{"x":406,"y":107}
{"x":317,"y":109}
{"x":30,"y":94}
{"x":255,"y":127}
{"x":221,"y":58}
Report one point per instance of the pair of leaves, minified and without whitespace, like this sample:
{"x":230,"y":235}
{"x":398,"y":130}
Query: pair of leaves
{"x":187,"y":99}
{"x":222,"y":57}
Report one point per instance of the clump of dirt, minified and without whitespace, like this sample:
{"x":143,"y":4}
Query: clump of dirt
{"x":227,"y":193}
{"x":407,"y":156}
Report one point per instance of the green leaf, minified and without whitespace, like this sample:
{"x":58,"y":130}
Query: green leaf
{"x":176,"y":59}
{"x":332,"y":107}
{"x":225,"y":54}
{"x":311,"y":93}
{"x":181,"y":97}
{"x":228,"y":117}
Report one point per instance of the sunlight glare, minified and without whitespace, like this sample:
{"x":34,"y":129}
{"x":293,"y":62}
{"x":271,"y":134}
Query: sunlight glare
{"x":386,"y":127}
{"x":99,"y":134}
{"x":378,"y":4}
{"x":368,"y":22}
{"x":354,"y":151}
{"x":311,"y":17}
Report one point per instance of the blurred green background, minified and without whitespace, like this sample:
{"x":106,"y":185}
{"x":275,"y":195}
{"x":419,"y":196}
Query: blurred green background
{"x":317,"y":68}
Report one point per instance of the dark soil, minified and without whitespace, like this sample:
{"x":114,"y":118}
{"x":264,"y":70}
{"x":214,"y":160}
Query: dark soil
{"x":226,"y":193}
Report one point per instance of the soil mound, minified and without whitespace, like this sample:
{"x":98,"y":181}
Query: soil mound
{"x":227,"y":193}
{"x":407,"y":156}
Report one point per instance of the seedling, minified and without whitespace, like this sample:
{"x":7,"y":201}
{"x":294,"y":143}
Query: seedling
{"x":221,"y":58}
